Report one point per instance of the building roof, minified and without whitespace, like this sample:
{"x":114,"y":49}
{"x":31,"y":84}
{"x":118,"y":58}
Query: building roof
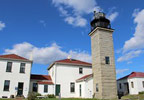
{"x":41,"y":77}
{"x":136,"y":74}
{"x":133,"y":75}
{"x":71,"y":62}
{"x":14,"y":57}
{"x":84,"y":77}
{"x":45,"y":82}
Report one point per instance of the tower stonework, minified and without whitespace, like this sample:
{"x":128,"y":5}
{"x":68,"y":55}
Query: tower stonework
{"x":103,"y":63}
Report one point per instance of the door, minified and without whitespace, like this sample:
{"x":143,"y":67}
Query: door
{"x":20,"y":89}
{"x":57,"y":90}
{"x":80,"y":90}
{"x":126,"y":87}
{"x":35,"y":87}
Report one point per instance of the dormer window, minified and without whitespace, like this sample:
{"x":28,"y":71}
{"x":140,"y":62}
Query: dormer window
{"x":22,"y":68}
{"x":9,"y":67}
{"x":80,"y":70}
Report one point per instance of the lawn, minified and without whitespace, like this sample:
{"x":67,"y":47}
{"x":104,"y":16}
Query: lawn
{"x":55,"y":99}
{"x":133,"y":97}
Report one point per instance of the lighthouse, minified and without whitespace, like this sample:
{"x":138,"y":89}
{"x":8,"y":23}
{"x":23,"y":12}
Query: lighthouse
{"x":103,"y":62}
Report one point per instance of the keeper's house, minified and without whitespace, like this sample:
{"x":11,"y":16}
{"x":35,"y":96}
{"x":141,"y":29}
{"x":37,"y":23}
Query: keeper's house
{"x":69,"y":77}
{"x":15,"y":75}
{"x":131,"y":84}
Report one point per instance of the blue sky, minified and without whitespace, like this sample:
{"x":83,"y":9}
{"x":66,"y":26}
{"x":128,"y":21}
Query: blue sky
{"x":55,"y":29}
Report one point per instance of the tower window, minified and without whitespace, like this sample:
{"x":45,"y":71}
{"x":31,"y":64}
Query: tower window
{"x":80,"y":70}
{"x":107,"y":60}
{"x":143,"y":84}
{"x":9,"y":67}
{"x":97,"y":89}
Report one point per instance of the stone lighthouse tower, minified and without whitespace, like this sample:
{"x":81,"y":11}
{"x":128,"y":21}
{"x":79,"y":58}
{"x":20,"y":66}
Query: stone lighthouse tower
{"x":103,"y":63}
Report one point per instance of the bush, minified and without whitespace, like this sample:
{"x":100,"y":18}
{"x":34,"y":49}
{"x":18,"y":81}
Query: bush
{"x":37,"y":94}
{"x":11,"y":96}
{"x":51,"y":96}
{"x":141,"y":92}
{"x":33,"y":95}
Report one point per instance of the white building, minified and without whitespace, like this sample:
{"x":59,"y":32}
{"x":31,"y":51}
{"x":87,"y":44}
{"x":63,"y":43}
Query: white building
{"x":131,"y":84}
{"x":15,"y":75}
{"x":65,"y":75}
{"x":42,"y":84}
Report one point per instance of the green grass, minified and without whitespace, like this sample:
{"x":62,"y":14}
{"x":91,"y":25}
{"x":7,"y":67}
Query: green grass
{"x":66,"y":99}
{"x":134,"y":97}
{"x":56,"y":99}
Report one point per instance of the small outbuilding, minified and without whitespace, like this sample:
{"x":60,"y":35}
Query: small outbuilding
{"x":131,"y":84}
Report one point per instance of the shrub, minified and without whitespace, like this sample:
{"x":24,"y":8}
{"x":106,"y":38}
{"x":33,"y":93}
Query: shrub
{"x":51,"y":96}
{"x":141,"y":92}
{"x":37,"y":94}
{"x":11,"y":96}
{"x":33,"y":95}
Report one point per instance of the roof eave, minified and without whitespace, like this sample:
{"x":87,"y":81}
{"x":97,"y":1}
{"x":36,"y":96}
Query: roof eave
{"x":16,"y":59}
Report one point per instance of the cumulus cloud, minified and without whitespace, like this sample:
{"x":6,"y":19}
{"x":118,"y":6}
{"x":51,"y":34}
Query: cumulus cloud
{"x":137,"y":41}
{"x":134,"y":46}
{"x":78,"y":21}
{"x":129,"y":55}
{"x":2,"y":25}
{"x":73,"y":10}
{"x":113,"y":16}
{"x":48,"y":54}
{"x":121,"y":71}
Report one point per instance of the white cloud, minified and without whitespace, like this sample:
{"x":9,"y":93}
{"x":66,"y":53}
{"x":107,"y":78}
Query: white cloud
{"x":134,"y":46}
{"x":121,"y":71}
{"x":76,"y":21}
{"x":73,"y":10}
{"x":113,"y":16}
{"x":2,"y":25}
{"x":77,"y":6}
{"x":129,"y":55}
{"x":46,"y":55}
{"x":137,"y":41}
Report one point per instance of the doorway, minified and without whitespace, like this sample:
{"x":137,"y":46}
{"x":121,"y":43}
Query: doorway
{"x":126,"y":87}
{"x":57,"y":89}
{"x":20,"y":89}
{"x":80,"y":90}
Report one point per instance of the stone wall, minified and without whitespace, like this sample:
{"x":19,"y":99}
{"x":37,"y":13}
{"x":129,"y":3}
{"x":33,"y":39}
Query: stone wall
{"x":104,"y":74}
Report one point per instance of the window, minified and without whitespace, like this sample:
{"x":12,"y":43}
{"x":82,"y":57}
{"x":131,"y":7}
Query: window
{"x":132,"y":84}
{"x":97,"y":87}
{"x":72,"y":87}
{"x":120,"y":86}
{"x":9,"y":67}
{"x":80,"y":70}
{"x":45,"y":88}
{"x":143,"y":84}
{"x":107,"y":60}
{"x":35,"y":87}
{"x":6,"y":85}
{"x":22,"y":68}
